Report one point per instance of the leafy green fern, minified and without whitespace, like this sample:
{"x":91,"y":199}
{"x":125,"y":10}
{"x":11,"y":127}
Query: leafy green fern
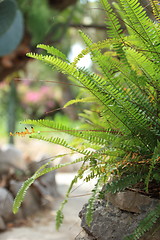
{"x":122,"y":128}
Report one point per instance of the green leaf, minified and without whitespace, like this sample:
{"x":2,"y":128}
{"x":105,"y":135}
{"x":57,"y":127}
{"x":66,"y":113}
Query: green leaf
{"x":84,"y":100}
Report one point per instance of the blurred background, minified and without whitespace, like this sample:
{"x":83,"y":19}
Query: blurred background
{"x":28,"y":88}
{"x":31,"y":90}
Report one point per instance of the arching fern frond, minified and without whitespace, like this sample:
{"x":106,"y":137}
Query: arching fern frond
{"x":21,"y":194}
{"x":112,"y":22}
{"x":60,"y":141}
{"x":122,"y":183}
{"x":146,"y":224}
{"x":142,"y":26}
{"x":90,"y":206}
{"x":59,"y":214}
{"x":40,"y":172}
{"x":80,"y":100}
{"x":156,"y":8}
{"x":54,"y":51}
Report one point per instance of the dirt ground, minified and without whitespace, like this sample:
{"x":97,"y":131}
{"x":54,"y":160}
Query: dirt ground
{"x":42,"y":225}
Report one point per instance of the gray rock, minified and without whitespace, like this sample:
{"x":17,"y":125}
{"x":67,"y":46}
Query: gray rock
{"x":47,"y":183}
{"x":38,"y":162}
{"x":2,"y":224}
{"x":31,"y":202}
{"x":6,"y":202}
{"x":111,"y":223}
{"x":84,"y":236}
{"x":46,"y":199}
{"x":10,"y":156}
{"x":132,"y":201}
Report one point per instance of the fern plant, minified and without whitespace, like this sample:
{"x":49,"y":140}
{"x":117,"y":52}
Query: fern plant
{"x":123,"y":125}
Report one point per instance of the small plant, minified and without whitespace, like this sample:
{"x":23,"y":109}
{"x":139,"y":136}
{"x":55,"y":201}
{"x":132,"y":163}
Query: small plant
{"x":123,"y":126}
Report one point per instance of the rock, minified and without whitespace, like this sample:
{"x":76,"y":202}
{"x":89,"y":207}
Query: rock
{"x":2,"y":224}
{"x":6,"y":202}
{"x":46,"y":198}
{"x":112,"y":223}
{"x":47,"y":183}
{"x":132,"y":201}
{"x":38,"y":162}
{"x":31,"y":202}
{"x":83,"y":236}
{"x":10,"y":156}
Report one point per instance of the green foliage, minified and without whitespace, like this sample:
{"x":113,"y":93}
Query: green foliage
{"x":122,"y":183}
{"x":122,"y":127}
{"x":37,"y":17}
{"x":90,"y":206}
{"x":54,"y":51}
{"x":146,"y":224}
{"x":156,"y":8}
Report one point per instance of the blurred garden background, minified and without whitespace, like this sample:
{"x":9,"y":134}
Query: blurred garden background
{"x":28,"y":88}
{"x":31,"y":90}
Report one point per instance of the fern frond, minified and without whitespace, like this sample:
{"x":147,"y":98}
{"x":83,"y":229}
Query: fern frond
{"x":141,"y":26}
{"x":114,"y":28}
{"x":54,"y":51}
{"x":111,"y":98}
{"x":21,"y":194}
{"x":122,"y":183}
{"x":96,"y":136}
{"x":97,"y":56}
{"x":146,"y":224}
{"x":40,"y":172}
{"x":59,"y":218}
{"x":155,"y":156}
{"x":60,"y":141}
{"x":156,"y":8}
{"x":59,"y":214}
{"x":150,"y":69}
{"x":90,"y":206}
{"x":93,"y":46}
{"x":80,"y":100}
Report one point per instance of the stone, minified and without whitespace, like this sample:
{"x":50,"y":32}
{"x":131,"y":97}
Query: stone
{"x":10,"y":156}
{"x":45,"y":198}
{"x":132,"y":201}
{"x":83,"y":236}
{"x":112,"y":223}
{"x":2,"y":224}
{"x":6,"y":202}
{"x":38,"y":162}
{"x":31,"y":202}
{"x":47,"y":183}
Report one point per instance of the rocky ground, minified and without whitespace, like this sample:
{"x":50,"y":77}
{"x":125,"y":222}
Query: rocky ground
{"x":42,"y":224}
